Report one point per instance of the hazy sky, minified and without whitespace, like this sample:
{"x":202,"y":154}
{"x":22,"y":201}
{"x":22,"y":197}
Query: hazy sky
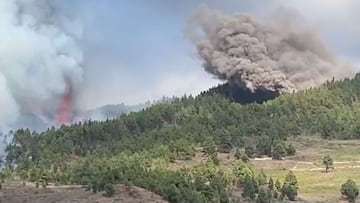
{"x":135,"y":50}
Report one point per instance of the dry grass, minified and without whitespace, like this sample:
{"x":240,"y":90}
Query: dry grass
{"x":314,"y":184}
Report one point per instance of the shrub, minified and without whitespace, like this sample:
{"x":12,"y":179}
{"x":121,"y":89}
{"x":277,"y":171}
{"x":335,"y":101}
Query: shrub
{"x":350,"y":190}
{"x":290,"y":150}
{"x":109,"y":190}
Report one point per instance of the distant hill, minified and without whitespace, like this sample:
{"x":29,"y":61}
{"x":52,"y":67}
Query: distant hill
{"x":34,"y":122}
{"x":110,"y":111}
{"x":115,"y":110}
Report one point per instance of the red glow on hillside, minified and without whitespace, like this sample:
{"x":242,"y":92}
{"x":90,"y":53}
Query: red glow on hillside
{"x":64,"y":115}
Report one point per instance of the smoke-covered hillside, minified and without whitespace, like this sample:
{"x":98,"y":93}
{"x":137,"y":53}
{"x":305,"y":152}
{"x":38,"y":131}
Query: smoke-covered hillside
{"x":33,"y":122}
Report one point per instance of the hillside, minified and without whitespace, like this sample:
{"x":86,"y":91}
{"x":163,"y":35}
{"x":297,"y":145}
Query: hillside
{"x":139,"y":147}
{"x":241,"y":95}
{"x":20,"y":194}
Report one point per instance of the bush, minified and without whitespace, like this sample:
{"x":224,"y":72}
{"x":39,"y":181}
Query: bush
{"x":290,"y":150}
{"x":263,"y":196}
{"x":278,"y":152}
{"x":249,"y":189}
{"x":238,"y":154}
{"x":290,"y":187}
{"x":249,"y":151}
{"x":245,"y":158}
{"x":214,"y":158}
{"x":109,"y":190}
{"x":350,"y":190}
{"x":271,"y":184}
{"x":291,"y":179}
{"x":290,"y":191}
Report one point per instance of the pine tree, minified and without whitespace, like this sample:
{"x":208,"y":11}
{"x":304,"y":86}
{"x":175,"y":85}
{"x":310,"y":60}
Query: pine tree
{"x":290,"y":150}
{"x":248,"y":188}
{"x":291,"y":179}
{"x":261,"y":178}
{"x":263,"y":196}
{"x":271,"y":184}
{"x":209,"y":147}
{"x":278,"y":152}
{"x":328,"y":162}
{"x":290,"y":187}
{"x":290,"y":191}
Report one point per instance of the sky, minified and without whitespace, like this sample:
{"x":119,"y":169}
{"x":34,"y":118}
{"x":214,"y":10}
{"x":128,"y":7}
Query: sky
{"x":135,"y":50}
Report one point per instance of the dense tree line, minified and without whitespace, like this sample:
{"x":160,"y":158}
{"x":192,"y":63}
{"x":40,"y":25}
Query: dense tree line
{"x":172,"y":130}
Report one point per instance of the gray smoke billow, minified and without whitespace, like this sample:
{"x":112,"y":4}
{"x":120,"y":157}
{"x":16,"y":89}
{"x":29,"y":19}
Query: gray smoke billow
{"x":281,"y":55}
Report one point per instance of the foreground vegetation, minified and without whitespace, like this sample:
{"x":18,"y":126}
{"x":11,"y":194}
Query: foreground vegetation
{"x":137,"y":148}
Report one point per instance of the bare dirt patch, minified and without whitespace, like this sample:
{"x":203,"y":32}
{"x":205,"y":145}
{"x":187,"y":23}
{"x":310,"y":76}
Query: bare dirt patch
{"x":15,"y":193}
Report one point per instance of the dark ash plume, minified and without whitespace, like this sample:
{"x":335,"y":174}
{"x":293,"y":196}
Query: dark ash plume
{"x":283,"y":55}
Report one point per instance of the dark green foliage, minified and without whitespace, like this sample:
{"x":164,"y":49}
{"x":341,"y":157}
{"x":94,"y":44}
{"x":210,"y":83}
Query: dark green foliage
{"x":261,"y":178}
{"x":214,"y":158}
{"x":271,"y":184}
{"x":291,"y":179}
{"x":209,"y":147}
{"x":278,"y":152}
{"x":109,"y":190}
{"x":241,"y":95}
{"x":241,"y":156}
{"x":290,"y":187}
{"x":225,"y":143}
{"x":264,"y":146}
{"x":249,"y":188}
{"x":290,"y":150}
{"x":290,"y":191}
{"x":350,"y":190}
{"x":249,"y":151}
{"x":263,"y":196}
{"x":238,"y":154}
{"x":245,"y":158}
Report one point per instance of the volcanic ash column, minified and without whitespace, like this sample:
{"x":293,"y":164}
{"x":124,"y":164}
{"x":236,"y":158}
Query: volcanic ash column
{"x":283,"y":55}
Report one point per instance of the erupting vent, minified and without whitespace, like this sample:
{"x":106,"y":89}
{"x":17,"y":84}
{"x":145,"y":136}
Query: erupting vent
{"x":64,"y":115}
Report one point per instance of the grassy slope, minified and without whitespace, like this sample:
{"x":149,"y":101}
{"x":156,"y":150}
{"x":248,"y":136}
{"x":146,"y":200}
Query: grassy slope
{"x":314,"y":183}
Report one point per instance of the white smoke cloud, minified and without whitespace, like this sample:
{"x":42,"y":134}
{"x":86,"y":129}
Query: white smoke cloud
{"x":281,"y":55}
{"x":8,"y":107}
{"x":37,"y":51}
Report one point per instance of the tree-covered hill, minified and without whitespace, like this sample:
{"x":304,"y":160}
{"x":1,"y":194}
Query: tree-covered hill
{"x":132,"y":147}
{"x":241,"y":95}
